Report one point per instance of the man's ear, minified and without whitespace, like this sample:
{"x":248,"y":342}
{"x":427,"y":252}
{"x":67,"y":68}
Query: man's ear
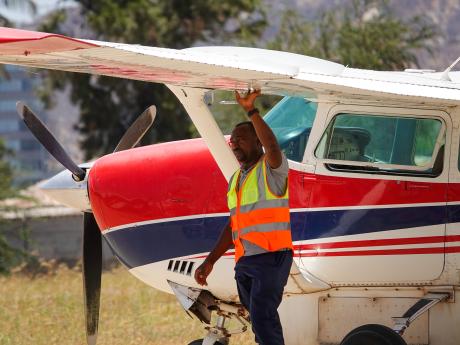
{"x":259,"y":145}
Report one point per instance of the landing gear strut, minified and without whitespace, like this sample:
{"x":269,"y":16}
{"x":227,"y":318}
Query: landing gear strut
{"x":202,"y":303}
{"x":201,"y":342}
{"x":217,"y":335}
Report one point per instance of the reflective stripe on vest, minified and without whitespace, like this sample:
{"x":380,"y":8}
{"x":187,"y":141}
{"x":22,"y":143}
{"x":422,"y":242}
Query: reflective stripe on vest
{"x":258,"y":215}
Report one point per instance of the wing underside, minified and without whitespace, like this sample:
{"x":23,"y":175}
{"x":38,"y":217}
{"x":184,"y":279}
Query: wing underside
{"x":227,"y":68}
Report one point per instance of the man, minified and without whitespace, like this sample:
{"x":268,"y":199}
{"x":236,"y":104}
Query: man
{"x":259,"y":224}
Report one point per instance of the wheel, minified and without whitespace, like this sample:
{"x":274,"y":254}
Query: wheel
{"x":200,"y":342}
{"x":373,"y":334}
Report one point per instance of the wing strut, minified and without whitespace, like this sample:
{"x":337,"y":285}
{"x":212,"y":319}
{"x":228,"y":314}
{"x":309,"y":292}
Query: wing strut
{"x":193,"y":101}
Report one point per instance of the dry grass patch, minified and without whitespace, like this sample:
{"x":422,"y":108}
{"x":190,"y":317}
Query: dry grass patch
{"x":48,"y":310}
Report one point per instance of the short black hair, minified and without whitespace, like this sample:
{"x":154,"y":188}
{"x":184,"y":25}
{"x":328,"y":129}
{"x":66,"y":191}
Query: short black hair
{"x":249,"y":124}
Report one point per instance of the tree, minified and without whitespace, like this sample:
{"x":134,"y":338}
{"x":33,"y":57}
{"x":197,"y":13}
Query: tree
{"x":294,"y":34}
{"x":362,"y":34}
{"x":9,"y":256}
{"x":6,"y":174}
{"x":109,"y":105}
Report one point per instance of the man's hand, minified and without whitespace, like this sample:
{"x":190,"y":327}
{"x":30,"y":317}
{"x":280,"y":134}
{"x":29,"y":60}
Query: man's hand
{"x":202,"y":272}
{"x":223,"y":244}
{"x":247,"y":102}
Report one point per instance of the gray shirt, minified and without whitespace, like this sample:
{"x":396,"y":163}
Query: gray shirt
{"x":277,"y":179}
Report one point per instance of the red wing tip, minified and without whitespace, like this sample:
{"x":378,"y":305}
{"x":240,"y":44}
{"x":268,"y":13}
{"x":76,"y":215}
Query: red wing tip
{"x":11,"y":35}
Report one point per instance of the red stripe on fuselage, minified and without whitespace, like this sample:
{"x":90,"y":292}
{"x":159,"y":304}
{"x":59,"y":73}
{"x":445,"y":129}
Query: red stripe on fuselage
{"x":373,"y":243}
{"x":405,"y":251}
{"x":180,"y":179}
{"x":399,"y":251}
{"x":379,"y":242}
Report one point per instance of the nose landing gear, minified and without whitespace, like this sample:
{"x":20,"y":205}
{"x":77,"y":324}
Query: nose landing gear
{"x":219,"y":334}
{"x":201,"y":341}
{"x":202,"y":303}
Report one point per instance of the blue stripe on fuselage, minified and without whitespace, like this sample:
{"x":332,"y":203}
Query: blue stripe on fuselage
{"x":144,"y":244}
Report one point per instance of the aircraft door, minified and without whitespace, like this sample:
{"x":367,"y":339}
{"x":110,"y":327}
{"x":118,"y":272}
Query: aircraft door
{"x":377,"y":210}
{"x":292,"y":121}
{"x":453,"y":222}
{"x":301,"y":181}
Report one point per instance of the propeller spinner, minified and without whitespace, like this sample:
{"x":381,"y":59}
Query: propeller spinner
{"x":92,"y":239}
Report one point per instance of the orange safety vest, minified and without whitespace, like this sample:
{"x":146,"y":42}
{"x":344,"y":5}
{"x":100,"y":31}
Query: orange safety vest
{"x":257,"y":214}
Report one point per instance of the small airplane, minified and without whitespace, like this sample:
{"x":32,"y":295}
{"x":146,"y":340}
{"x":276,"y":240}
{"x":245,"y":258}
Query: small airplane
{"x":374,"y":189}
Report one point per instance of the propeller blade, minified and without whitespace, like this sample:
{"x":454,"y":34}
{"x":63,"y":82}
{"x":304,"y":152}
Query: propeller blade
{"x":50,"y":143}
{"x":92,"y":268}
{"x":137,"y":130}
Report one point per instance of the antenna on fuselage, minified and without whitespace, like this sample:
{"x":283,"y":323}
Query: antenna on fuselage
{"x":445,"y":74}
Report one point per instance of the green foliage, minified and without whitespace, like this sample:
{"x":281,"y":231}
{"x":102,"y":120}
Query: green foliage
{"x":6,"y":174}
{"x":173,"y":24}
{"x":108,"y":105}
{"x":9,"y":256}
{"x":294,"y":35}
{"x":363,"y":34}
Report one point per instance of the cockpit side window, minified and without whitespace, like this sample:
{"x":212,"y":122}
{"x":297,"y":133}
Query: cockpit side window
{"x":291,"y":120}
{"x":390,"y":144}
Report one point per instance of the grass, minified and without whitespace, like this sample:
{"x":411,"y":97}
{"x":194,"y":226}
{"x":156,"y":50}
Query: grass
{"x":49,"y":310}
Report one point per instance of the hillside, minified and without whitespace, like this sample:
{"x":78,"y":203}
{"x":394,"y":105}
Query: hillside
{"x":445,"y":14}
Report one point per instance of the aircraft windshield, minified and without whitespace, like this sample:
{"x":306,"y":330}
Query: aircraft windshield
{"x":291,"y":120}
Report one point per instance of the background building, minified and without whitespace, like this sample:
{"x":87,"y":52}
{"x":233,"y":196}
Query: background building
{"x":40,"y":226}
{"x":29,"y":159}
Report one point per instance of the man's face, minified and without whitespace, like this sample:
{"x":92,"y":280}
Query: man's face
{"x":245,"y":145}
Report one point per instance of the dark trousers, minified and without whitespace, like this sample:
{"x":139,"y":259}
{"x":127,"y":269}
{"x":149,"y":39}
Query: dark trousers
{"x":261,"y":279}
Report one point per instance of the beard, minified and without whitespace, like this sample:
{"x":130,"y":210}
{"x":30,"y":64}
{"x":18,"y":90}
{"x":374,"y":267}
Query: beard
{"x":240,"y":155}
{"x":247,"y":157}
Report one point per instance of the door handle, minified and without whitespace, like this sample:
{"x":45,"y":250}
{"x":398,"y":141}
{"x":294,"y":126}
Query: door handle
{"x":417,"y":186}
{"x":308,"y":178}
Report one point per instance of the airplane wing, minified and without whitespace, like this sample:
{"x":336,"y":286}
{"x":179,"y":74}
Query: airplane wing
{"x":215,"y":67}
{"x":226,"y":68}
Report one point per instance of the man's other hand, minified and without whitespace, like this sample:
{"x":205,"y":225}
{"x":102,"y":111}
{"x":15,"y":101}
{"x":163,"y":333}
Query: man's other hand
{"x":202,"y":272}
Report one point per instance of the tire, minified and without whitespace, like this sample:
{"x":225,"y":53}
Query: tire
{"x":200,"y":342}
{"x":373,"y":334}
